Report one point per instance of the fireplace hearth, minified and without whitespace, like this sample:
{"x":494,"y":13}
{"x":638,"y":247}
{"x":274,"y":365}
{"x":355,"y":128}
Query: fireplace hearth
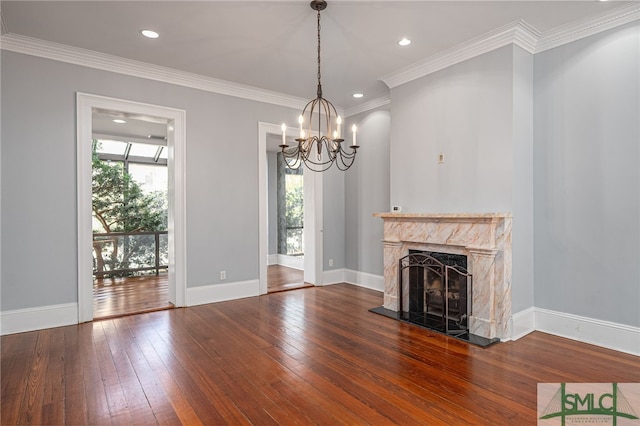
{"x":474,"y":250}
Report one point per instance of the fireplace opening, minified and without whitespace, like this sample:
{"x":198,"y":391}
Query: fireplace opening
{"x":435,"y":291}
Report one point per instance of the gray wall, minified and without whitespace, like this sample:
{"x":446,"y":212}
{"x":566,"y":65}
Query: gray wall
{"x":522,"y":236}
{"x":333,"y":221}
{"x":463,"y":111}
{"x":39,"y":173}
{"x":367,"y":192}
{"x":479,"y":114}
{"x":587,"y":179}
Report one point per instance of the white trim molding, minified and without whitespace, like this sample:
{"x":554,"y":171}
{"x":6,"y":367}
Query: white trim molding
{"x":176,"y":143}
{"x":619,"y":337}
{"x":105,"y":62}
{"x":523,"y":323}
{"x":610,"y":335}
{"x":518,"y":33}
{"x":222,"y":292}
{"x":588,"y":26}
{"x":312,"y":213}
{"x":30,"y":319}
{"x":291,"y":261}
{"x":367,"y":106}
{"x":363,"y":279}
{"x":333,"y":276}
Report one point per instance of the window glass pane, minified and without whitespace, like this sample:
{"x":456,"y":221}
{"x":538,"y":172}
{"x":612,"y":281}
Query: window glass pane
{"x":143,"y":150}
{"x":150,"y":178}
{"x":111,"y":147}
{"x":294,"y":213}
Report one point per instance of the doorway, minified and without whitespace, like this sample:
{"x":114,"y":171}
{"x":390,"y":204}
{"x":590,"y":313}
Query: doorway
{"x":173,"y":121}
{"x":269,"y":136}
{"x":129,"y":214}
{"x":286,"y":225}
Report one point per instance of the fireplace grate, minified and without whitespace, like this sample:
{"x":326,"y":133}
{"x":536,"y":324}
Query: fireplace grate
{"x":435,"y":294}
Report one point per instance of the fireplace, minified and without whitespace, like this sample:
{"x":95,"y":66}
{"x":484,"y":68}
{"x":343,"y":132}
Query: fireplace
{"x":436,"y":289}
{"x":484,"y":239}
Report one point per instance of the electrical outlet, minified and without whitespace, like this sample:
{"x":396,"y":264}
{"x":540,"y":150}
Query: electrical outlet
{"x":396,"y":209}
{"x":223,"y":275}
{"x":441,"y":158}
{"x":330,"y":262}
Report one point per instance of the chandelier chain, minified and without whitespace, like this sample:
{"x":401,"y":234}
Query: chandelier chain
{"x":319,"y":75}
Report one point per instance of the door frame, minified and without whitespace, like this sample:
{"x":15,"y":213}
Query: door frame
{"x":176,"y":144}
{"x":313,"y":243}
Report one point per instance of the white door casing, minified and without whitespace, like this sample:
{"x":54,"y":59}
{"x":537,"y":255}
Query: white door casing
{"x":176,"y":146}
{"x":312,"y":214}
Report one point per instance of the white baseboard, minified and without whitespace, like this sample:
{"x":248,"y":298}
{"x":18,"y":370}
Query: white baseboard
{"x":620,"y":337}
{"x":294,"y":262}
{"x":221,"y":292}
{"x":333,"y":276}
{"x":272,"y":259}
{"x":30,"y":319}
{"x":363,"y":279}
{"x":523,"y":323}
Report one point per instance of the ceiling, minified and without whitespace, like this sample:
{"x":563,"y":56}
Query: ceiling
{"x":272,"y":44}
{"x":136,"y":126}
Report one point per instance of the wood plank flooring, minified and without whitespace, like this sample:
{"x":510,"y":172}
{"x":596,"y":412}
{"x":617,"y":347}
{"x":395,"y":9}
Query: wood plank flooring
{"x":282,"y":278}
{"x":310,"y":356}
{"x":113,"y":297}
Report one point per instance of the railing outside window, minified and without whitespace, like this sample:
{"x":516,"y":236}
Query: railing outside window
{"x":127,"y":253}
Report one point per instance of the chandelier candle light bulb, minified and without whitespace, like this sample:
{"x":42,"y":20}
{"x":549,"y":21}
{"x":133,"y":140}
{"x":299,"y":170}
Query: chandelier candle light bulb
{"x":300,"y":121}
{"x":354,"y":128}
{"x":284,"y":134}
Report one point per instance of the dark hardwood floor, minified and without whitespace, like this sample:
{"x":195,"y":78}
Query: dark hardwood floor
{"x":282,"y":278}
{"x":311,"y":356}
{"x":113,"y":297}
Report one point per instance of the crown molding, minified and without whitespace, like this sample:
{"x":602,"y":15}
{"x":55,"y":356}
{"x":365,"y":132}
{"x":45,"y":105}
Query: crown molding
{"x":367,"y":106}
{"x":588,"y":26}
{"x":519,"y":33}
{"x":88,"y":58}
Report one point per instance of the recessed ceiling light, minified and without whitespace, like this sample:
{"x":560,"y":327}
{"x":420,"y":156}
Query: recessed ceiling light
{"x":149,"y":33}
{"x":358,"y":95}
{"x":404,"y":42}
{"x":119,"y":120}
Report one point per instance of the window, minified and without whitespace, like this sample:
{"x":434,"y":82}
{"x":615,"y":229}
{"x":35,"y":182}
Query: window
{"x":290,"y":210}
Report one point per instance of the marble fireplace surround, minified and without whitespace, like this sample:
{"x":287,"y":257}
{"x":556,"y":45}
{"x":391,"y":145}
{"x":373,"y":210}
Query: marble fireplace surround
{"x":485,"y":238}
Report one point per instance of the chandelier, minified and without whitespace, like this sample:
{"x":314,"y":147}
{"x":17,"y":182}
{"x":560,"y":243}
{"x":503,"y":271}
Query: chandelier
{"x":319,"y":149}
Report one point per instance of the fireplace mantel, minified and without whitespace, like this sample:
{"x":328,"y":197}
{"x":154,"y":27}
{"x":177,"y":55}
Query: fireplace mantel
{"x":442,"y":216}
{"x":485,"y":238}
